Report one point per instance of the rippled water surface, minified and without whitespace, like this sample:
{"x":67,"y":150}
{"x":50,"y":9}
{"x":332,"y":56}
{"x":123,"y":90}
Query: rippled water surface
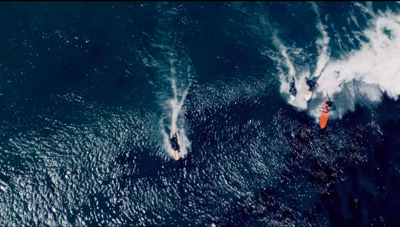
{"x":90,"y":92}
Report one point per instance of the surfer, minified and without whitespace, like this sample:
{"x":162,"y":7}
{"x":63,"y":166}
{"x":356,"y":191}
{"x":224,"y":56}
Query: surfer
{"x":328,"y":105}
{"x":325,"y":111}
{"x":175,"y":144}
{"x":292,"y":90}
{"x":311,"y":85}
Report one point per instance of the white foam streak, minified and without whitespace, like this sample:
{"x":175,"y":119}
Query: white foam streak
{"x":364,"y":75}
{"x":175,"y":106}
{"x":283,"y":50}
{"x":285,"y":79}
{"x":322,"y":44}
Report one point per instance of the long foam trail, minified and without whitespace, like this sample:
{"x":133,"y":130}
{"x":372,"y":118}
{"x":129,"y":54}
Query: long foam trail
{"x":301,"y":77}
{"x":175,"y":73}
{"x":282,"y":48}
{"x":175,"y":105}
{"x":322,"y":44}
{"x":368,"y":73}
{"x":299,"y":102}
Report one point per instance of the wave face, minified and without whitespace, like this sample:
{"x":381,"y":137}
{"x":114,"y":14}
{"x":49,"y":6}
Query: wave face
{"x":359,"y":76}
{"x":90,"y":93}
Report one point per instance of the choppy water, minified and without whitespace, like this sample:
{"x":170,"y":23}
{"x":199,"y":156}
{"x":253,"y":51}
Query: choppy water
{"x":89,"y":93}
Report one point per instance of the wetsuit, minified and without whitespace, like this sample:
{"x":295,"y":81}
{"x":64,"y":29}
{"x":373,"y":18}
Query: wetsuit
{"x":292,"y":90}
{"x":311,"y":84}
{"x":328,"y":106}
{"x":174,"y":143}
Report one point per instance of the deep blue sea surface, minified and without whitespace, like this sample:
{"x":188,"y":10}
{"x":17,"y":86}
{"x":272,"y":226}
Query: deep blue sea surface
{"x":90,"y":92}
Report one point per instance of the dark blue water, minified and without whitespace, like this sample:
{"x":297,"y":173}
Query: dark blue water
{"x":90,"y":91}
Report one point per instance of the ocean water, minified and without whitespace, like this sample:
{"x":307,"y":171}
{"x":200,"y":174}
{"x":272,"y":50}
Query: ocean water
{"x":90,"y":91}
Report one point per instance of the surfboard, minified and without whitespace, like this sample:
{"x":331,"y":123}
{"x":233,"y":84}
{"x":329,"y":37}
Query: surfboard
{"x":308,"y":95}
{"x":324,"y":115}
{"x":176,"y":155}
{"x":292,"y":97}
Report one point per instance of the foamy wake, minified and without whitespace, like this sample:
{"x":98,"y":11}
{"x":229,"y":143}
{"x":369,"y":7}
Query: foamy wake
{"x":361,"y":77}
{"x":322,"y":44}
{"x":176,"y":120}
{"x":285,"y":78}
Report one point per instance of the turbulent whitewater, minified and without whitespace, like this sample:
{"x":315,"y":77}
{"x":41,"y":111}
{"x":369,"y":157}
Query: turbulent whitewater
{"x":91,"y":91}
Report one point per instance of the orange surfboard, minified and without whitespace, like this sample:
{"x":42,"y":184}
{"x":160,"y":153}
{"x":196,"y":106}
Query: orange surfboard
{"x":324,"y":115}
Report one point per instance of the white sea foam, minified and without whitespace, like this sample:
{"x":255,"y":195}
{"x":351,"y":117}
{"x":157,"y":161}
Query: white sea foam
{"x":174,"y":67}
{"x":322,"y":44}
{"x":285,"y":78}
{"x":372,"y":70}
{"x":361,"y":76}
{"x":175,"y":105}
{"x":283,"y":50}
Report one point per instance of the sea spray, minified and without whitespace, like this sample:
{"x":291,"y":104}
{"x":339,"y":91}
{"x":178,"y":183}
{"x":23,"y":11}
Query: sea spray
{"x":361,"y":76}
{"x":364,"y":75}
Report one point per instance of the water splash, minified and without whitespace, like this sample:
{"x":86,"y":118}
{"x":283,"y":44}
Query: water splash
{"x":364,"y":75}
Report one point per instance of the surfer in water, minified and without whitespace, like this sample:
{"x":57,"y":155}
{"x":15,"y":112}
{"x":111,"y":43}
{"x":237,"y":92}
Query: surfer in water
{"x":328,"y":105}
{"x":311,"y":85}
{"x":292,"y":90}
{"x":175,"y":144}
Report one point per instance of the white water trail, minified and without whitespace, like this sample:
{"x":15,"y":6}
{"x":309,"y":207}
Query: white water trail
{"x":283,"y":50}
{"x":176,"y":74}
{"x":322,"y":44}
{"x":285,"y":78}
{"x":176,"y":119}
